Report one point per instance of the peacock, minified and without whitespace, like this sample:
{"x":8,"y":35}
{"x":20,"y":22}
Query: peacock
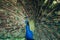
{"x":43,"y":21}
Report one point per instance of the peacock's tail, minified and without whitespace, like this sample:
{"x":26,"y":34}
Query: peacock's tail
{"x":11,"y":19}
{"x":44,"y":18}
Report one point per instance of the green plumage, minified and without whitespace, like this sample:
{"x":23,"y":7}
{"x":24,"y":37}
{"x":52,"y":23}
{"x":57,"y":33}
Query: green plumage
{"x":44,"y":15}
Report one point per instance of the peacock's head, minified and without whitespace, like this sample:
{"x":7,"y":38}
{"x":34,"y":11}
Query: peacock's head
{"x":26,"y":22}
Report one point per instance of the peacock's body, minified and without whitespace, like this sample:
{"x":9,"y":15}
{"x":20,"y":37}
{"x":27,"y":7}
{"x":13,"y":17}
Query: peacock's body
{"x":29,"y":33}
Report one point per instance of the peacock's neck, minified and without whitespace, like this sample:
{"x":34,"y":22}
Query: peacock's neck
{"x":27,"y":28}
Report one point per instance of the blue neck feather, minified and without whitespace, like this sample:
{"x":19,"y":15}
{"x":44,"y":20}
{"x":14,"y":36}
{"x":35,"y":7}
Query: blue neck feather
{"x":29,"y":33}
